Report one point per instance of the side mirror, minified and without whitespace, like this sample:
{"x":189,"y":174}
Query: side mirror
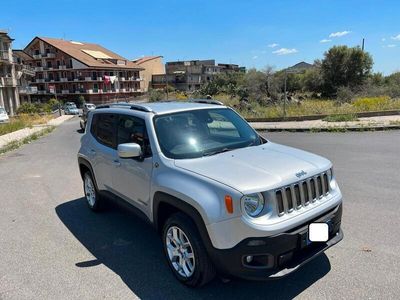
{"x":129,"y":150}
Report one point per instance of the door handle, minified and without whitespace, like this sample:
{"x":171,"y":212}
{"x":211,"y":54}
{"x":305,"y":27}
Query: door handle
{"x":116,"y":163}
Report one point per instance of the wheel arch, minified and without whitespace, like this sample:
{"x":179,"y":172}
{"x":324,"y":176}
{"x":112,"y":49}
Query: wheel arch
{"x":164,"y":205}
{"x":84,"y":166}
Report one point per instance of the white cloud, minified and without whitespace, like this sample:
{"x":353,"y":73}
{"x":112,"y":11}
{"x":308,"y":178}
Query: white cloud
{"x":325,"y":41}
{"x":391,"y":46}
{"x":383,"y":39}
{"x":255,"y":57}
{"x":285,"y":51}
{"x":273,"y":45}
{"x":339,"y":33}
{"x":396,"y":37}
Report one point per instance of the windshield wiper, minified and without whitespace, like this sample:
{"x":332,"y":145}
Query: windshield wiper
{"x":217,"y":152}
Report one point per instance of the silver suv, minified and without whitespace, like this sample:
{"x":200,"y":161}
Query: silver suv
{"x":224,"y":199}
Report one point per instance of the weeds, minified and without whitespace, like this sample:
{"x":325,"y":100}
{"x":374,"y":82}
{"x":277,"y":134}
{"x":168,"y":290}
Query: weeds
{"x":340,"y":118}
{"x":22,"y":121}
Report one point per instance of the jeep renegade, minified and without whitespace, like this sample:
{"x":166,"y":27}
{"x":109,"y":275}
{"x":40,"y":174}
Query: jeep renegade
{"x":224,"y":199}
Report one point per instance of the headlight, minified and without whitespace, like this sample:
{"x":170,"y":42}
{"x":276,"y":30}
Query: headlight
{"x":253,"y":204}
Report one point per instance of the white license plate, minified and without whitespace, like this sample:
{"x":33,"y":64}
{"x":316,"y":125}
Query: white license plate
{"x":318,"y":232}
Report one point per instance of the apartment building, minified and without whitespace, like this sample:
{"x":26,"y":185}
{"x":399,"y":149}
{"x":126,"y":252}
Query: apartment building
{"x":152,"y":65}
{"x":70,"y":69}
{"x":9,"y":97}
{"x":191,"y":75}
{"x":25,"y":75}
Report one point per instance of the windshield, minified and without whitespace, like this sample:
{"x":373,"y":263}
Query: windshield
{"x":90,"y":106}
{"x":2,"y":111}
{"x":205,"y":132}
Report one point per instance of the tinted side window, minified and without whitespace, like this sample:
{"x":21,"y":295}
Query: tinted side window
{"x":103,"y":129}
{"x":133,"y":130}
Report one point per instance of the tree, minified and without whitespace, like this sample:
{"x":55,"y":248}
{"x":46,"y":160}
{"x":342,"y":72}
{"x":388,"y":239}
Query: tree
{"x":344,"y":67}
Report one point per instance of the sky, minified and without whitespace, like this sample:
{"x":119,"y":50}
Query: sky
{"x":250,"y":33}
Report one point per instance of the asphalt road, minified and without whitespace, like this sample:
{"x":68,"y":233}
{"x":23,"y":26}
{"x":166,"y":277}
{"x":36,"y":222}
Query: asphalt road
{"x":53,"y":247}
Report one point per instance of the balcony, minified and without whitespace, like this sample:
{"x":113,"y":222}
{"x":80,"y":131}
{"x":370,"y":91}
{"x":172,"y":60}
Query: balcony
{"x":40,"y":80}
{"x":38,"y":69}
{"x":122,"y":78}
{"x":64,"y":91}
{"x":4,"y":56}
{"x":99,"y":78}
{"x":37,"y":56}
{"x":49,"y":55}
{"x":64,"y":79}
{"x":28,"y":90}
{"x":89,"y":91}
{"x":62,"y":67}
{"x":41,"y":92}
{"x":28,"y":70}
{"x":88,"y":79}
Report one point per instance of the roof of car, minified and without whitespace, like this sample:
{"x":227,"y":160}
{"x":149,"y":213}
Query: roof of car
{"x":165,"y":107}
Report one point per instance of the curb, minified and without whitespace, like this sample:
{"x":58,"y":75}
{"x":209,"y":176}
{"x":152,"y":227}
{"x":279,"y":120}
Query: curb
{"x":26,"y":132}
{"x":320,"y":117}
{"x":332,"y":129}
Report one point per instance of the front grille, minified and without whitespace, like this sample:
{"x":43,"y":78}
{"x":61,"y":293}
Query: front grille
{"x":300,"y":194}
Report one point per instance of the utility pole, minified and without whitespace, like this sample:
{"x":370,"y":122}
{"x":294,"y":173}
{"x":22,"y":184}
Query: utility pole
{"x":362,"y":47}
{"x":285,"y":98}
{"x":166,"y":83}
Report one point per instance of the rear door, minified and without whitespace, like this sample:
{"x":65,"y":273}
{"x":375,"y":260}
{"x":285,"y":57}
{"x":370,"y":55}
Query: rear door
{"x":103,"y":147}
{"x":132,"y":177}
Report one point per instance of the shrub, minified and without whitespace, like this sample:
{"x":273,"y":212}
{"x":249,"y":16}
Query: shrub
{"x":155,"y":95}
{"x":344,"y":94}
{"x":27,"y":108}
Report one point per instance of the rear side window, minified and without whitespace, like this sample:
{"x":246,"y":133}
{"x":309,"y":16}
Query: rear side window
{"x":103,"y":128}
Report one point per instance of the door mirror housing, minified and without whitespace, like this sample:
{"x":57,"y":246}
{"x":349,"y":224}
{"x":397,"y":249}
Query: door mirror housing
{"x":129,"y":150}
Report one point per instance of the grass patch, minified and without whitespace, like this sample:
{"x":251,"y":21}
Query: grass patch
{"x":311,"y":107}
{"x":22,"y":121}
{"x":16,"y":144}
{"x":397,"y":123}
{"x":340,"y":118}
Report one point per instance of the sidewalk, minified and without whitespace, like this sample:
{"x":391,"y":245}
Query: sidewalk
{"x":372,"y":123}
{"x":26,"y":132}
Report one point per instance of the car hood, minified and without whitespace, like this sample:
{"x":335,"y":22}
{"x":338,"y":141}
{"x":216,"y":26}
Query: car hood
{"x":258,"y":168}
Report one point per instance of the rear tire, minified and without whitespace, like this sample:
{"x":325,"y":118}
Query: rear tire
{"x":92,"y":196}
{"x":185,"y":251}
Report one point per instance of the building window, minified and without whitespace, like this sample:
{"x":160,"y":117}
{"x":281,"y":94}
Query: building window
{"x":49,"y":64}
{"x":38,"y":64}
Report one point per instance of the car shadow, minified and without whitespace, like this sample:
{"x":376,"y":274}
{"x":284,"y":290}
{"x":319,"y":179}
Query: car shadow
{"x":132,"y":249}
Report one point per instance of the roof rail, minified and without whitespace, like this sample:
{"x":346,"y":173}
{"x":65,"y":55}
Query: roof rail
{"x":206,"y":101}
{"x":126,"y":105}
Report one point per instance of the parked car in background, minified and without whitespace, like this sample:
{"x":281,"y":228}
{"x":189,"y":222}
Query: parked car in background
{"x":3,"y":116}
{"x":71,"y":109}
{"x":223,"y":198}
{"x":87,"y":107}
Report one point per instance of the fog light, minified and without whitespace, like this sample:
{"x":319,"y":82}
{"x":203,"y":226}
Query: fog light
{"x":249,"y":259}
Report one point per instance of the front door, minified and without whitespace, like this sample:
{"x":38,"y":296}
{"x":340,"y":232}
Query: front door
{"x":132,"y":177}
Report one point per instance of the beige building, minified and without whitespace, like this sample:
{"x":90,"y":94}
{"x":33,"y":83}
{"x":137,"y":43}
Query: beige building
{"x":152,"y":65}
{"x":9,"y":97}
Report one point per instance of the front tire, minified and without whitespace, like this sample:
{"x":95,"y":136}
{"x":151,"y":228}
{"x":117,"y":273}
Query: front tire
{"x":92,"y":195}
{"x":185,"y":251}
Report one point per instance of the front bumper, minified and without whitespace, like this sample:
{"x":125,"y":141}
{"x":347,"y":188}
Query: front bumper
{"x":278,"y":255}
